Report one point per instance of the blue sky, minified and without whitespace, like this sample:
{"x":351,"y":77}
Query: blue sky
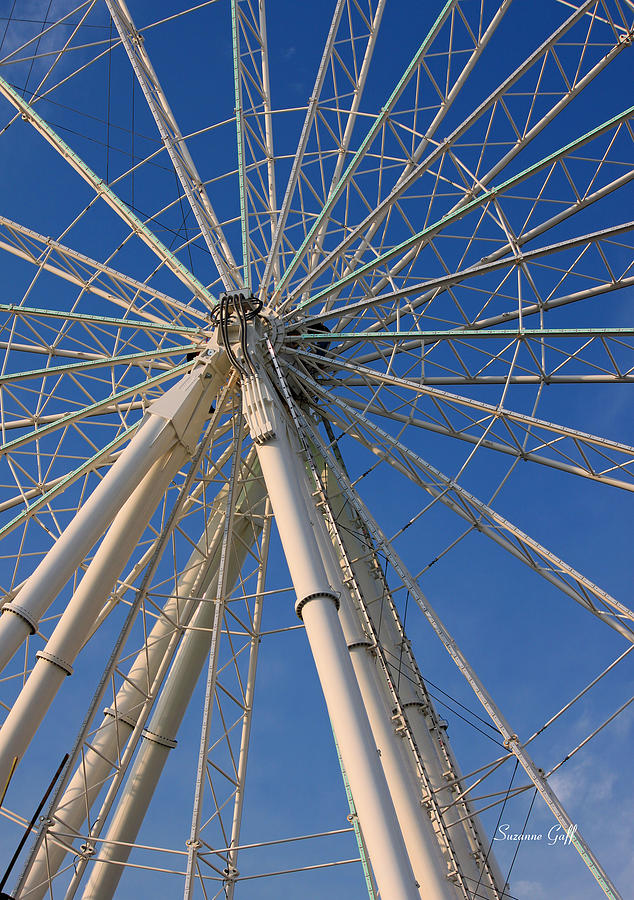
{"x":532,"y":647}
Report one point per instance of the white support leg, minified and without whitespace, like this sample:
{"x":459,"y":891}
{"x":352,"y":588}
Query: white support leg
{"x":111,"y":737}
{"x":160,"y":735}
{"x":468,"y":841}
{"x":185,"y":412}
{"x":429,"y":867}
{"x":166,"y":424}
{"x":158,"y":740}
{"x":113,"y":733}
{"x":285,"y":478}
{"x":55,"y":662}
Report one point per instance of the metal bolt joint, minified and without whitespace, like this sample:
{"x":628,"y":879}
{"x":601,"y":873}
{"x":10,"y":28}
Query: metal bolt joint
{"x":326,"y":595}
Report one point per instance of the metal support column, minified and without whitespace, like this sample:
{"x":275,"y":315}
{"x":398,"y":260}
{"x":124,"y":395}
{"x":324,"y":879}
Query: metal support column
{"x":285,"y":478}
{"x":424,"y":853}
{"x":162,"y":430}
{"x":121,"y":721}
{"x":160,"y":735}
{"x":183,"y":411}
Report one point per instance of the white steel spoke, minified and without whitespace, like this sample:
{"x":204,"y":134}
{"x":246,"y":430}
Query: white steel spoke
{"x":351,"y":119}
{"x":175,"y":145}
{"x":525,"y":548}
{"x":93,"y":319}
{"x":433,"y":287}
{"x":301,"y":149}
{"x":98,"y":362}
{"x":411,"y":173}
{"x":477,"y":185}
{"x":88,"y":274}
{"x":107,"y":194}
{"x":240,"y":139}
{"x":568,"y":444}
{"x":425,"y":234}
{"x":368,"y":139}
{"x":254,"y":121}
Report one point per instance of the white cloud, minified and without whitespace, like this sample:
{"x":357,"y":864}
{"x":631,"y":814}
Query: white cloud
{"x":528,"y":890}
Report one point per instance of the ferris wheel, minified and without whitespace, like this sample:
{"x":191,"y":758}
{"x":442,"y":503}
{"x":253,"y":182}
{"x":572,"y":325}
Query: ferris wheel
{"x":317,"y":449}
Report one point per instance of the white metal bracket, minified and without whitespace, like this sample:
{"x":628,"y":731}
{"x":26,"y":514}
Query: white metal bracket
{"x":259,"y":408}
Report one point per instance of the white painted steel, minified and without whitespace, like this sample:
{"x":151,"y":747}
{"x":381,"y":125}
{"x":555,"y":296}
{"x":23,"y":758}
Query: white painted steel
{"x":176,"y":417}
{"x":428,"y":865}
{"x":63,"y":262}
{"x":459,"y":831}
{"x":510,"y":738}
{"x":160,"y":735}
{"x":115,"y":729}
{"x":120,"y":722}
{"x":283,"y":474}
{"x":472,"y":509}
{"x":55,"y":662}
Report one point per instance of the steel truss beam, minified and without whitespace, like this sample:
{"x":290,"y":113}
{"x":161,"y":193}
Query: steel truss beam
{"x":26,"y":312}
{"x":415,"y":241}
{"x":379,"y":213}
{"x":432,"y":287}
{"x":249,"y":693}
{"x":510,"y":738}
{"x":108,"y":195}
{"x":240,"y":145}
{"x":273,"y":256}
{"x":357,"y":92}
{"x":411,"y":170}
{"x":218,"y":607}
{"x":486,"y":520}
{"x":480,"y":326}
{"x":278,"y":446}
{"x":106,"y":752}
{"x":125,"y":359}
{"x":94,"y":408}
{"x":254,"y":131}
{"x":417,"y":765}
{"x":175,"y":145}
{"x":516,"y":427}
{"x":88,"y":274}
